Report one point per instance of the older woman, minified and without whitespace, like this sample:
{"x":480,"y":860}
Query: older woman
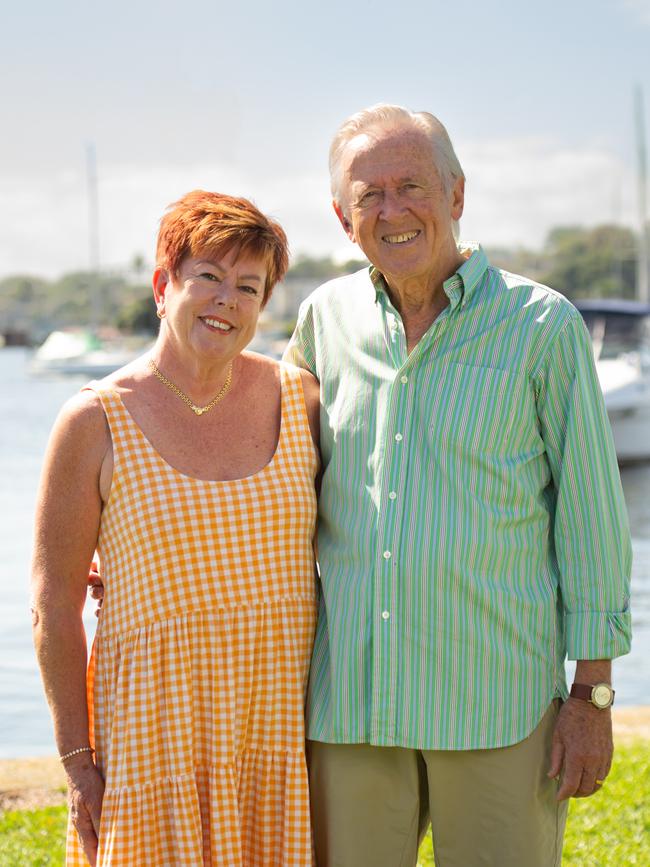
{"x":196,"y":465}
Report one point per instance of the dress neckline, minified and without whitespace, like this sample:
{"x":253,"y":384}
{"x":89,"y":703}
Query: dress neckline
{"x":266,"y":468}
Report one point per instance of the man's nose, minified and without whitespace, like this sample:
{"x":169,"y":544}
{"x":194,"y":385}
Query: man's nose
{"x":392,"y":205}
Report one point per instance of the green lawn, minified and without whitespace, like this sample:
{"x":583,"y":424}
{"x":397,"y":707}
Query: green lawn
{"x":612,"y":829}
{"x":33,"y":839}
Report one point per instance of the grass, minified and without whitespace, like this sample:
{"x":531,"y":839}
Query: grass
{"x":34,"y":838}
{"x":611,"y":828}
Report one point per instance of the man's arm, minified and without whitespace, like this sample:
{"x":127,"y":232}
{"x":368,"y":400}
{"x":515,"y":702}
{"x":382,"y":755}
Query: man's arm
{"x":301,"y":349}
{"x":592,"y":545}
{"x":582,"y":741}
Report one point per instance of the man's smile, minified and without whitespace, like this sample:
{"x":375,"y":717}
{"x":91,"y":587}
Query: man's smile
{"x":402,"y":238}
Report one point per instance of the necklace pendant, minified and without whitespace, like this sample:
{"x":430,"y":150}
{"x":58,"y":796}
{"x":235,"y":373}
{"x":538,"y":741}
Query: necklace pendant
{"x":197,"y":410}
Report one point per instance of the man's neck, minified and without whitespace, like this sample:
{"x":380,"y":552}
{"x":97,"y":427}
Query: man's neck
{"x":420,"y":300}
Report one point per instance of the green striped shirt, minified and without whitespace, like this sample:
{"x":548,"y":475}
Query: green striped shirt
{"x":472,"y":527}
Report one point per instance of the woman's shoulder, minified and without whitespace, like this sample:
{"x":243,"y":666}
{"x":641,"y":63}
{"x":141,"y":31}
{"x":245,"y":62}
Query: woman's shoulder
{"x":83,"y":410}
{"x":83,"y":414}
{"x":260,"y":370}
{"x":124,"y":379}
{"x":81,"y":429}
{"x":262,"y":365}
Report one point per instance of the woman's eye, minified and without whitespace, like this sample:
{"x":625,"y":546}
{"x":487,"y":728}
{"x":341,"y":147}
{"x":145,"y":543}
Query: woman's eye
{"x":208,"y":275}
{"x":250,"y":289}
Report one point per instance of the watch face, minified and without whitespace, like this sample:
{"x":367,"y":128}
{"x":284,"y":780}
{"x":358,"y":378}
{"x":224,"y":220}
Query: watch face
{"x":601,"y":695}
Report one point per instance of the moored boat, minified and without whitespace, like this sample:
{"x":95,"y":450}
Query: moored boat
{"x":620,"y":333}
{"x":85,"y":353}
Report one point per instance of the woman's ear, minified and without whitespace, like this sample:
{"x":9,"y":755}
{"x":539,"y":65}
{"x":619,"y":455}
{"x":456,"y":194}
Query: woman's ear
{"x":160,"y":281}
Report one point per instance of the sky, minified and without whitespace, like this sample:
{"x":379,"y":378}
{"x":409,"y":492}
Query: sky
{"x":244,"y":98}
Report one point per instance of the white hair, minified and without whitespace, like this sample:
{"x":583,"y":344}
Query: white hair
{"x":382,"y":117}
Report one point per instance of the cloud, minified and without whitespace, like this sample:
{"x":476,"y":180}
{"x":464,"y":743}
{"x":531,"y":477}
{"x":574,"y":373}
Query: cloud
{"x":641,"y":8}
{"x":46,"y":227}
{"x":517,"y":189}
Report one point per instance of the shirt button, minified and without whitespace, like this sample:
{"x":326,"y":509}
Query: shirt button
{"x":385,"y":615}
{"x":387,"y":555}
{"x":404,"y":379}
{"x":398,"y":437}
{"x":392,"y":495}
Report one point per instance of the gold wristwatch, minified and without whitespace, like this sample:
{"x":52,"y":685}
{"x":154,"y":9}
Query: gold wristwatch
{"x":601,"y":695}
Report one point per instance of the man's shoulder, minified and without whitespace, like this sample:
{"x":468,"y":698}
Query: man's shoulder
{"x":343,"y":288}
{"x":534,"y":299}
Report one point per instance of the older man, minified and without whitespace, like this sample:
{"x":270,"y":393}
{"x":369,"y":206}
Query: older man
{"x":472,"y":530}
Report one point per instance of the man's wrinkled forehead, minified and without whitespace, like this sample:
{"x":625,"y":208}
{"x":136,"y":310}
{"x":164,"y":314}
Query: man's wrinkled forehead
{"x":398,"y":147}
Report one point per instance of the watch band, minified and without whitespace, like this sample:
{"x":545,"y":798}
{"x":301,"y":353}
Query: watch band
{"x":585,"y":691}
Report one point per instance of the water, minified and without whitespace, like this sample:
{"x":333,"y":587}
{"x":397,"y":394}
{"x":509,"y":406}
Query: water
{"x":28,"y":408}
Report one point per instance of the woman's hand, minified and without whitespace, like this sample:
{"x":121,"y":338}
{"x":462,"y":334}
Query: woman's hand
{"x":85,"y":795}
{"x":96,"y":587}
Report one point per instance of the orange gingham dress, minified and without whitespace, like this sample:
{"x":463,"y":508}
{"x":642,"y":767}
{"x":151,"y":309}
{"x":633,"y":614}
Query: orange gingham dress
{"x":197,"y":676}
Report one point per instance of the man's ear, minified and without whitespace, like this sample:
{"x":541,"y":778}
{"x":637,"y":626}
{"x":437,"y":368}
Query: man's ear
{"x":160,"y":281}
{"x":343,"y":220}
{"x":458,"y":199}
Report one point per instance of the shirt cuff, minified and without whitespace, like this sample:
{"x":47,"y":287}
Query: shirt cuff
{"x":598,"y":634}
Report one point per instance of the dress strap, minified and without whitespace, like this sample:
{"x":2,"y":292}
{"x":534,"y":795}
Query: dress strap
{"x":295,"y":433}
{"x":124,"y":433}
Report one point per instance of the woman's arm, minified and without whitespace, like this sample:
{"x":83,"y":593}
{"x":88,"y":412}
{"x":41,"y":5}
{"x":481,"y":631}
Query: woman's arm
{"x":311,"y":389}
{"x":68,"y":512}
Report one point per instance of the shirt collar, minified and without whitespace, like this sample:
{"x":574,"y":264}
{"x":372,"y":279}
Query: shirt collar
{"x":458,"y":288}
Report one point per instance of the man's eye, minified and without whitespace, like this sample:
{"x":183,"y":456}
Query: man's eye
{"x":369,"y":198}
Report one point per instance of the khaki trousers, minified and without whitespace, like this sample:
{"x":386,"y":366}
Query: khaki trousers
{"x":488,"y":808}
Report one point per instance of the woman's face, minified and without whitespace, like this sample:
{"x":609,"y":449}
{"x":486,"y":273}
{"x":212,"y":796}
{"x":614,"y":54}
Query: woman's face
{"x":212,"y":306}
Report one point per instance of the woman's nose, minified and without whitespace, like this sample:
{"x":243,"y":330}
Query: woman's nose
{"x":225,"y":297}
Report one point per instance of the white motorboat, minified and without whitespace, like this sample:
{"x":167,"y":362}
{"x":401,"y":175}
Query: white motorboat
{"x":82,"y":352}
{"x":620,"y":332}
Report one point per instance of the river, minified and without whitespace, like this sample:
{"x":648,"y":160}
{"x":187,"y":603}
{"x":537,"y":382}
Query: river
{"x":28,"y":407}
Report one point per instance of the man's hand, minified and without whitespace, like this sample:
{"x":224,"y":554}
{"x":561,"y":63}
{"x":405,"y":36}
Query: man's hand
{"x":85,"y":795}
{"x":582,"y":748}
{"x":96,"y":587}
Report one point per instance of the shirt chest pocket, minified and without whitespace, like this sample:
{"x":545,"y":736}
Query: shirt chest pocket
{"x":474,"y":409}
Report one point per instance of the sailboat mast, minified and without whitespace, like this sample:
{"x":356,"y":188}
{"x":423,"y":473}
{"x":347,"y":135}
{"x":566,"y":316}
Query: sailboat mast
{"x":93,"y":234}
{"x":642,"y":289}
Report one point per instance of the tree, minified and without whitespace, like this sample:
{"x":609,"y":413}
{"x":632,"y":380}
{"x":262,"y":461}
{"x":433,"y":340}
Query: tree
{"x":139,"y":316}
{"x":598,"y":262}
{"x":321,"y":269}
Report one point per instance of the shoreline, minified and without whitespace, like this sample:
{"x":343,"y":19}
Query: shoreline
{"x":31,"y":783}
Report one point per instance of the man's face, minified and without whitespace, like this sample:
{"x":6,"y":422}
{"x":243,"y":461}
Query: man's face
{"x":395,"y":206}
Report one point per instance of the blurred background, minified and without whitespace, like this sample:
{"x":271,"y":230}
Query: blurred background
{"x":111,"y":112}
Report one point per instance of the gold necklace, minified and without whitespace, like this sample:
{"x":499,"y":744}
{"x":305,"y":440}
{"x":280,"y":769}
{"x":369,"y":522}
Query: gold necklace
{"x":198,"y":410}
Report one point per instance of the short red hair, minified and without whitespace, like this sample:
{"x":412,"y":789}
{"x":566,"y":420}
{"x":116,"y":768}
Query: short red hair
{"x":211,"y":224}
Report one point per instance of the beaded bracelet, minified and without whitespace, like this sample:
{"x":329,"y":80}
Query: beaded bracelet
{"x":76,"y":752}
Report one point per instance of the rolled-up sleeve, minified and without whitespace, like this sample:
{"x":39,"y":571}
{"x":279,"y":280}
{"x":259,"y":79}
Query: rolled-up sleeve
{"x":591,"y":533}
